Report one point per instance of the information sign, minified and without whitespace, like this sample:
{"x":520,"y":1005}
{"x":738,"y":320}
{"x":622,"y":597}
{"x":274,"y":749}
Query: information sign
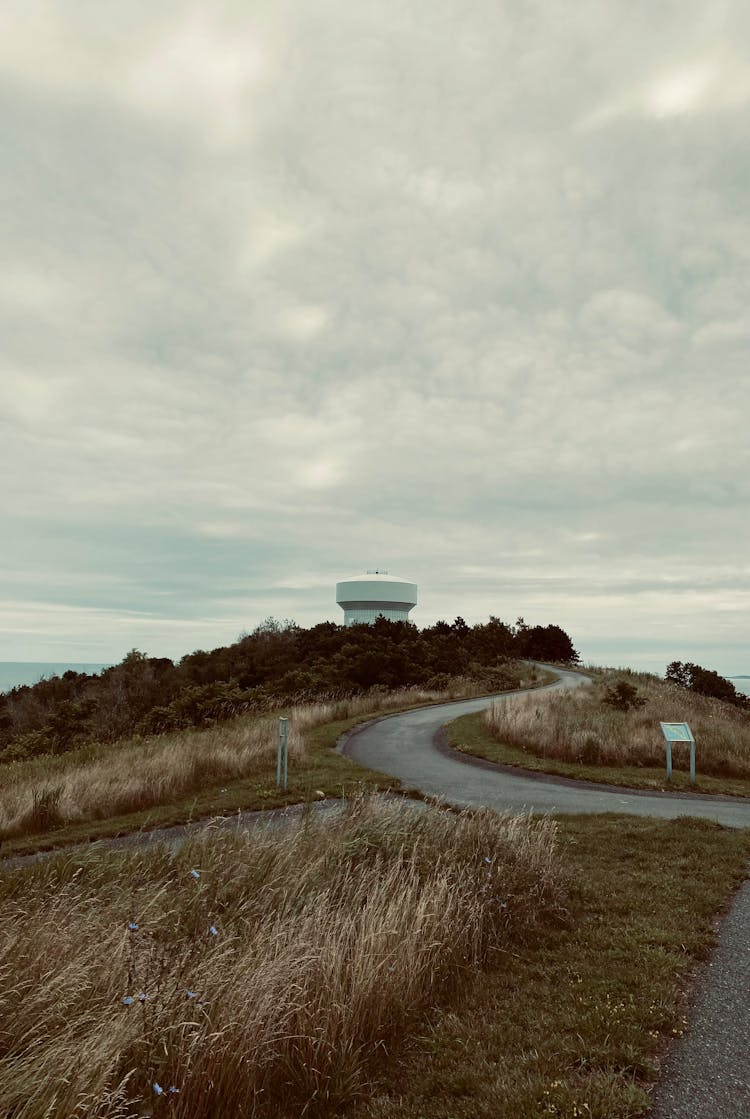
{"x":678,"y":732}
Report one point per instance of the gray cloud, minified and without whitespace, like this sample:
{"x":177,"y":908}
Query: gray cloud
{"x":292,"y":292}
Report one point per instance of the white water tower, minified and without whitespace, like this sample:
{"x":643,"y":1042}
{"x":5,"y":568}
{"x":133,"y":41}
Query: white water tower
{"x":366,"y":597}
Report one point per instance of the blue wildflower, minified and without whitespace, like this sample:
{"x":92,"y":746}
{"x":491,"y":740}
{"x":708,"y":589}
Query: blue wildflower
{"x":133,"y":926}
{"x":213,"y":930}
{"x":174,"y":1091}
{"x":487,"y":859}
{"x":128,"y":1000}
{"x":195,"y":873}
{"x":190,"y":995}
{"x":158,"y":1090}
{"x":142,"y":997}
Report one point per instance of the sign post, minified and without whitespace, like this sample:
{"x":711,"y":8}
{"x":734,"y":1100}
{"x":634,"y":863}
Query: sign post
{"x":678,"y":732}
{"x":282,"y":753}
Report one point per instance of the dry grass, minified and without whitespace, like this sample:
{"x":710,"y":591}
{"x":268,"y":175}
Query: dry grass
{"x":133,"y":776}
{"x":331,"y":943}
{"x":579,"y":727}
{"x":576,"y":1020}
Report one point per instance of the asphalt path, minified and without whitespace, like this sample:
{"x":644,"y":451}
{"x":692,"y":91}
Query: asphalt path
{"x":412,"y":746}
{"x":707,"y":1074}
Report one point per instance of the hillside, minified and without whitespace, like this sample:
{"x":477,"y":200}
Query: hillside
{"x":279,"y":662}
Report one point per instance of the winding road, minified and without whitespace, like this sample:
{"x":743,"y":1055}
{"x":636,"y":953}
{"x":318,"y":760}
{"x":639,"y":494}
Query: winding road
{"x":707,"y":1074}
{"x":412,"y":747}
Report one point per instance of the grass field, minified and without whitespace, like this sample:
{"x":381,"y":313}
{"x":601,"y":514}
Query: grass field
{"x":575,"y":734}
{"x":400,"y":963}
{"x":260,"y":974}
{"x":173,"y":778}
{"x":575,"y":1021}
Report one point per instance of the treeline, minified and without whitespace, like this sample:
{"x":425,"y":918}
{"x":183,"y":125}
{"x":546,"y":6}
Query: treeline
{"x":705,"y":681}
{"x":279,"y":662}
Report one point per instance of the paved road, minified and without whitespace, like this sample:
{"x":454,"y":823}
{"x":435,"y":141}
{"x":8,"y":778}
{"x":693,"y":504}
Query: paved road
{"x":707,"y":1074}
{"x":411,"y":746}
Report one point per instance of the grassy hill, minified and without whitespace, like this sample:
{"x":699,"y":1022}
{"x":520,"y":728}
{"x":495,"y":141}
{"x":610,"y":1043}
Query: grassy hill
{"x":584,"y":734}
{"x":395,"y":962}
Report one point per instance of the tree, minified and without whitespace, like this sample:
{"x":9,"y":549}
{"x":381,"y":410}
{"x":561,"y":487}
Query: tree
{"x":704,"y":681}
{"x":547,"y":643}
{"x":678,"y":673}
{"x":276,"y":662}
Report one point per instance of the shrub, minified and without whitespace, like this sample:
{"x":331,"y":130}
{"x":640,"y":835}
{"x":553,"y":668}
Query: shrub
{"x":705,"y":681}
{"x":623,"y":697}
{"x":16,"y":752}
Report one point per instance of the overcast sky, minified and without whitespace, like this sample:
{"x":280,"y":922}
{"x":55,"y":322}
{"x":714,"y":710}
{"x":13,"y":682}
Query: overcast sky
{"x":290,"y":290}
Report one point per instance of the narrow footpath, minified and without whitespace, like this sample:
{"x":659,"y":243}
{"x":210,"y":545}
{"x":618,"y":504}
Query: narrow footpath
{"x":707,"y":1072}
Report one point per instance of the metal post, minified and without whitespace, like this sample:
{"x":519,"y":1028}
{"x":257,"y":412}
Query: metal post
{"x":279,"y":748}
{"x":692,"y":761}
{"x":669,"y":761}
{"x":282,"y":752}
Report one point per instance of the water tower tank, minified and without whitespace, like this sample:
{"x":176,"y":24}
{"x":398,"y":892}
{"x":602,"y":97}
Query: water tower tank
{"x":365,"y":597}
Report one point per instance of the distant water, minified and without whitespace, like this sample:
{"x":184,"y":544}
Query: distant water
{"x":15,"y":673}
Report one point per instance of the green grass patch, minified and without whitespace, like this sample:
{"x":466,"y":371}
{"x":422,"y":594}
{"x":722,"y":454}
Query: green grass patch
{"x":470,"y":735}
{"x":574,"y":1023}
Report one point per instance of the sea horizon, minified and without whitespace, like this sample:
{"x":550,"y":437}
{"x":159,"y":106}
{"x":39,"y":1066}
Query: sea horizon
{"x":14,"y":674}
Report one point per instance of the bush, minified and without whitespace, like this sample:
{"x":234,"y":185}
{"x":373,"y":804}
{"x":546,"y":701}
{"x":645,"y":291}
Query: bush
{"x":277,"y":662}
{"x":623,"y":697}
{"x":704,"y":681}
{"x":201,"y":705}
{"x":16,"y":752}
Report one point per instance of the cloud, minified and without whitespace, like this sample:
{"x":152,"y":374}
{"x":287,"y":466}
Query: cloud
{"x":293,"y":292}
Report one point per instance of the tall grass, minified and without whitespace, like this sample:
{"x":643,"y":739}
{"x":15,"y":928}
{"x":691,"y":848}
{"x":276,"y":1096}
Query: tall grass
{"x":252,"y":974}
{"x":579,"y":726}
{"x":137,"y":775}
{"x":143,"y":773}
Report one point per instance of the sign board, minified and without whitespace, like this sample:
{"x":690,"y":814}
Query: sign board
{"x":678,"y":732}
